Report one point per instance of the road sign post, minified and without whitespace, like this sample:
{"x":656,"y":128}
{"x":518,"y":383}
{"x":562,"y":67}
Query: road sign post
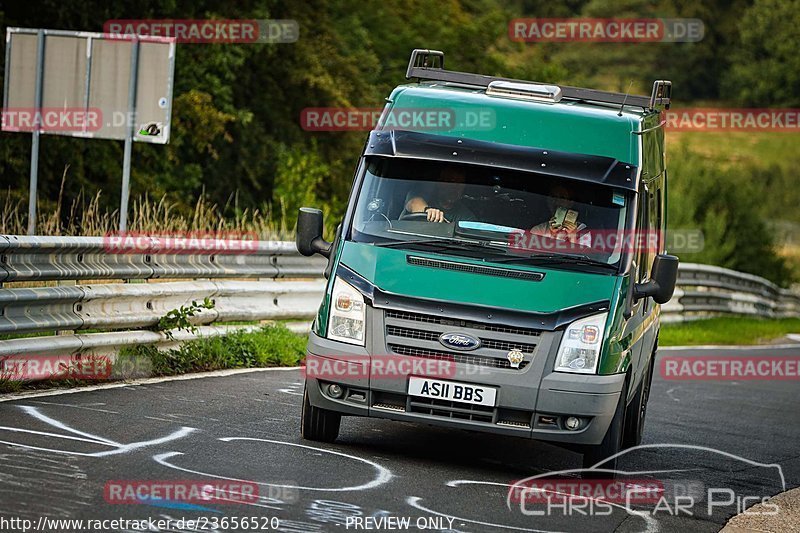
{"x":95,"y":79}
{"x":34,"y":182}
{"x":129,"y":129}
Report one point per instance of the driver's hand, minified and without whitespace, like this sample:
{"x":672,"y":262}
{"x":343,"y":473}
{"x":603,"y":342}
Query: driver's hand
{"x":570,"y":227}
{"x":435,"y":215}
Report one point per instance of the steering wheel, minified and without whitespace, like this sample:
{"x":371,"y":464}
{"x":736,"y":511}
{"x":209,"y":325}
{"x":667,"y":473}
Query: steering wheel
{"x":421,"y":215}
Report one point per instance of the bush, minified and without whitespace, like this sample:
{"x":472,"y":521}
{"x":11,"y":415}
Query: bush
{"x":723,"y":202}
{"x":271,"y":345}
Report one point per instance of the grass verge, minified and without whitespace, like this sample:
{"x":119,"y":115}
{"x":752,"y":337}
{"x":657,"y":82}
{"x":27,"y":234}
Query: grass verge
{"x":269,"y":345}
{"x":727,"y":330}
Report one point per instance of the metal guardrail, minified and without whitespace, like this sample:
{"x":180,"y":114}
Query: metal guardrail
{"x":129,"y":284}
{"x":705,"y":290}
{"x":268,"y":280}
{"x":120,"y":305}
{"x":98,"y":258}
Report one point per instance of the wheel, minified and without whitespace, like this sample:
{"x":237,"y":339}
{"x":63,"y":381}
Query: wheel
{"x":318,"y":424}
{"x":421,"y":215}
{"x":612,"y":442}
{"x":636,"y":411}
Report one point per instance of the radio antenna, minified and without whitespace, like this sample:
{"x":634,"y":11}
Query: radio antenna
{"x":625,"y":99}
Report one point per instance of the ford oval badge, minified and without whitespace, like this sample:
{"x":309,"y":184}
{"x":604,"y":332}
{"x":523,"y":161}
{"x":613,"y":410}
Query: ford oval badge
{"x":459,"y":341}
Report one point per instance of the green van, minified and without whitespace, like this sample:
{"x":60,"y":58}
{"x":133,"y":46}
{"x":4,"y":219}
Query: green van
{"x":500,"y":264}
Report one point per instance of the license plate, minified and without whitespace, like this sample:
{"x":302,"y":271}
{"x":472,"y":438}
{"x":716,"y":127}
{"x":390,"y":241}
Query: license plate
{"x":452,"y":391}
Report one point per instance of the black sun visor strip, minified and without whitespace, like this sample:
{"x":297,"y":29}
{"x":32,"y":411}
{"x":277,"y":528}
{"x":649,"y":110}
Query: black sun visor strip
{"x":416,"y":145}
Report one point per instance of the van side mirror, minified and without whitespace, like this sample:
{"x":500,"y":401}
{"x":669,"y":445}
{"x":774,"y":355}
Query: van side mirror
{"x":309,"y":233}
{"x":662,"y":280}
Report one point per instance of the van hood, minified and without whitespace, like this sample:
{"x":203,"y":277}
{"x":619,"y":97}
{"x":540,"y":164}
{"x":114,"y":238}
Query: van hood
{"x":390,"y":271}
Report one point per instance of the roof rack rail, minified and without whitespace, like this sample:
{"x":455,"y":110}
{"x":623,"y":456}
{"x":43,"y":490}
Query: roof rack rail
{"x":429,"y":65}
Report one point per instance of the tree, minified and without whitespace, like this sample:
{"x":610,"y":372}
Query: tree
{"x":766,"y":67}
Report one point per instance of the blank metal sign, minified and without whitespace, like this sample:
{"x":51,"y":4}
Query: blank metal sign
{"x":91,"y":72}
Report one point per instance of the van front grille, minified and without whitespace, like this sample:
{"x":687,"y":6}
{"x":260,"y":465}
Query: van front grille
{"x":411,"y":333}
{"x":495,"y":344}
{"x":430,"y":319}
{"x":448,"y":409}
{"x":417,"y":335}
{"x":456,"y":357}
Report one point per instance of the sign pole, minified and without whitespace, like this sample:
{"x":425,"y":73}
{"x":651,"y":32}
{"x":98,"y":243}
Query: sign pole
{"x":129,"y":128}
{"x":32,"y":193}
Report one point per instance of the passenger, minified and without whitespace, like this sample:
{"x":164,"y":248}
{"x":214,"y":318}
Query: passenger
{"x":569,"y":228}
{"x":445,"y":203}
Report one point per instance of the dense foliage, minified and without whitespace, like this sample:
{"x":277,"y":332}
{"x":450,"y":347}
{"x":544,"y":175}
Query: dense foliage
{"x":237,"y":137}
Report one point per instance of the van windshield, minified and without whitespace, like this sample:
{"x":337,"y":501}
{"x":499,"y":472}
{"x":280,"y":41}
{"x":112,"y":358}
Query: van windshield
{"x":492,"y":214}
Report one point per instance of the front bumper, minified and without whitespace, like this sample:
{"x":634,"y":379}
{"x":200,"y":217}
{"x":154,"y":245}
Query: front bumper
{"x":531,"y":402}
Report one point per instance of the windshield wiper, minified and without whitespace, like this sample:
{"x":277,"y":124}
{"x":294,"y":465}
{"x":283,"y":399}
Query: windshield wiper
{"x":392,"y":244}
{"x":556,"y":259}
{"x":445,"y":243}
{"x":448,"y":244}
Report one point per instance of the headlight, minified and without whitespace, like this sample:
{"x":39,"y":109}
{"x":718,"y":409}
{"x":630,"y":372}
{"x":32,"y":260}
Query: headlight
{"x":579,"y":350}
{"x":346,"y":319}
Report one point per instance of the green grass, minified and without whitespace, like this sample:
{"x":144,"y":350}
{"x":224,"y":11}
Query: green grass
{"x":12,"y":336}
{"x":270,"y":345}
{"x":762,"y":148}
{"x":727,"y":330}
{"x":166,"y":216}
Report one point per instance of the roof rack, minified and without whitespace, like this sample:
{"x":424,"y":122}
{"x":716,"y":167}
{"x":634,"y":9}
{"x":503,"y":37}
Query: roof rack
{"x":429,"y":65}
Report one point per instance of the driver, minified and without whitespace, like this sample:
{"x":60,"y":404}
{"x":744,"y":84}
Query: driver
{"x":445,"y":203}
{"x":570,"y":228}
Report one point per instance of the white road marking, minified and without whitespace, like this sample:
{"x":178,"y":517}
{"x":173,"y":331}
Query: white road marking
{"x":669,"y":393}
{"x":34,"y":412}
{"x":383,"y":474}
{"x":292,"y":389}
{"x":54,"y":435}
{"x":159,"y":419}
{"x":79,"y":406}
{"x":125,"y":448}
{"x":136,"y":385}
{"x":118,"y":448}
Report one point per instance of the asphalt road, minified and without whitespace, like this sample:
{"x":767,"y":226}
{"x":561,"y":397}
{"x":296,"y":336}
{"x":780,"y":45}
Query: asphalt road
{"x":61,"y":453}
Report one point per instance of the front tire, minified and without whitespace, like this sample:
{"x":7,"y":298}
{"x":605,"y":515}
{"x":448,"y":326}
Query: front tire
{"x":634,"y":427}
{"x":612,"y":442}
{"x":318,"y":424}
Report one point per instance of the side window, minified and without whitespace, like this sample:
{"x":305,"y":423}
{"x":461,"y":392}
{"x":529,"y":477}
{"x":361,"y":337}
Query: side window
{"x":658,"y":222}
{"x":652,"y":234}
{"x":654,"y":224}
{"x":642,"y":230}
